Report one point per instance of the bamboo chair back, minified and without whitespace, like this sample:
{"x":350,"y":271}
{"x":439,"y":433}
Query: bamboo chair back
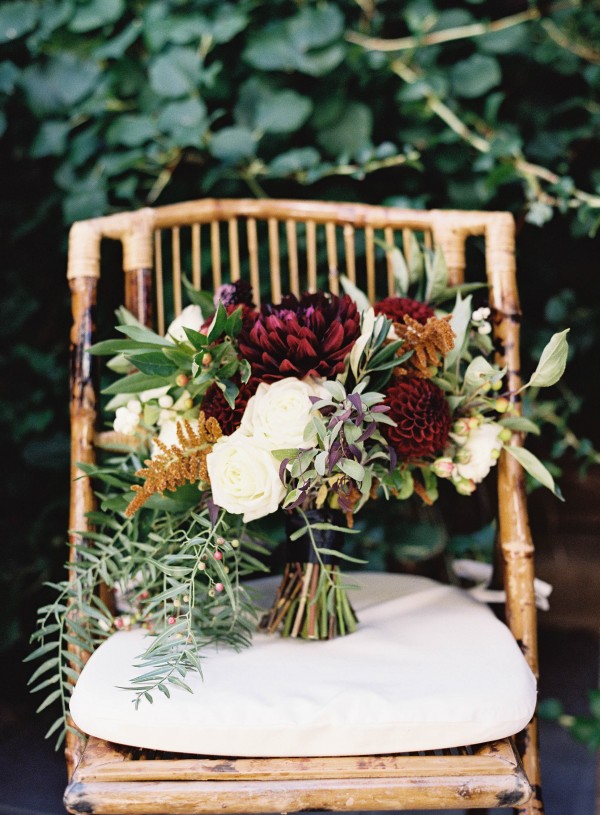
{"x":292,"y":246}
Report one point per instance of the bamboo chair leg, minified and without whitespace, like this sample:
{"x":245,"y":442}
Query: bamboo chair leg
{"x":528,"y":746}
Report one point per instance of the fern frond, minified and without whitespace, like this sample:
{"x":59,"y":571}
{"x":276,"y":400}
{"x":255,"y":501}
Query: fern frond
{"x":178,"y":464}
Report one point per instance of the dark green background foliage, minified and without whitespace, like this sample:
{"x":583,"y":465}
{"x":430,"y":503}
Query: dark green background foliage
{"x":112,"y":104}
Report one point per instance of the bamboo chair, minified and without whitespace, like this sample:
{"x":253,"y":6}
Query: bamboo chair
{"x":107,"y":778}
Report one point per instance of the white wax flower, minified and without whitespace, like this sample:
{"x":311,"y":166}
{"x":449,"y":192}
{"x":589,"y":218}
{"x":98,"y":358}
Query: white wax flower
{"x":126,"y":421}
{"x":244,"y":477}
{"x":190,"y":317}
{"x":278,"y":414}
{"x":481,"y":448}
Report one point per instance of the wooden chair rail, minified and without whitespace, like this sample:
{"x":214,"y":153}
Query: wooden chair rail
{"x":113,"y":779}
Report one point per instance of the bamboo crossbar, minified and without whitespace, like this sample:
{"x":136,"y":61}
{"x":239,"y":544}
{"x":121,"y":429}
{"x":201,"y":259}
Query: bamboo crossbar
{"x":291,"y":246}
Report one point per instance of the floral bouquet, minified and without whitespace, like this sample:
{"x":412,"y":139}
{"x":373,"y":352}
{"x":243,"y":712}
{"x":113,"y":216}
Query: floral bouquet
{"x":311,"y":406}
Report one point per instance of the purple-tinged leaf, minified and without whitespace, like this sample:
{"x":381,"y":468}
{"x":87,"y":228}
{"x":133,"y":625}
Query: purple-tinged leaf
{"x":282,"y":469}
{"x":213,"y":510}
{"x":393,"y":458}
{"x":356,"y":401}
{"x":380,"y":408}
{"x":368,"y":432}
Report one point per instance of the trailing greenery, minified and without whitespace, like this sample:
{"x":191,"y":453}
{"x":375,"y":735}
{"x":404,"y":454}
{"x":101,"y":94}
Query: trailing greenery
{"x":110,"y":104}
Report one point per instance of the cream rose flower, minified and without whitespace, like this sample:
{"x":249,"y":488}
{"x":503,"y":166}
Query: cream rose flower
{"x":480,"y":451}
{"x":278,"y":414}
{"x":190,"y":317}
{"x":244,"y":477}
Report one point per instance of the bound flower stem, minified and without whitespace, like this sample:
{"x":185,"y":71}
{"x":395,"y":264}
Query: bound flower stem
{"x":311,"y":603}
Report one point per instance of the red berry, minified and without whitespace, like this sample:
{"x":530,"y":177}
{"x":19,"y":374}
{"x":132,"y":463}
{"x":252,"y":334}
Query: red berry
{"x":218,"y":555}
{"x":219,"y":587}
{"x":171,"y":620}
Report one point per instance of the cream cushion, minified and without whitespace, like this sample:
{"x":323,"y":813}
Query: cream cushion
{"x":428,"y":667}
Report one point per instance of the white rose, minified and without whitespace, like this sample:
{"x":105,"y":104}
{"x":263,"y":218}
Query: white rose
{"x":278,"y":414}
{"x":244,"y":478}
{"x":481,"y":448}
{"x":190,"y":317}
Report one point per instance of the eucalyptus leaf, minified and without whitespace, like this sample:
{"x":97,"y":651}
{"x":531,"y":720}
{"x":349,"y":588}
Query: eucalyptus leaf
{"x":461,"y":319}
{"x":478,"y":373}
{"x":352,"y":290}
{"x":552,"y":363}
{"x":534,"y":467}
{"x":437,"y":275}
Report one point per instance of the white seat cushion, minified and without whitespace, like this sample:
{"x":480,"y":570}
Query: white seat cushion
{"x":428,"y":668}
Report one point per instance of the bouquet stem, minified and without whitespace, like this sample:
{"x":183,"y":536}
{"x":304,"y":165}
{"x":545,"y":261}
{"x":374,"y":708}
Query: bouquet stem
{"x":311,"y":601}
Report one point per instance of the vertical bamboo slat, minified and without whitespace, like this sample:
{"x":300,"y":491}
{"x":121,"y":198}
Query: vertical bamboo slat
{"x":274,"y":264}
{"x":158,"y":275}
{"x":234,"y":249}
{"x":253,"y":258}
{"x":332,"y":259}
{"x":215,"y":251}
{"x":388,"y":234}
{"x":292,"y":247}
{"x":350,"y":252}
{"x":138,"y":294}
{"x":176,"y":249}
{"x":196,"y":256}
{"x":311,"y":255}
{"x":370,"y":258}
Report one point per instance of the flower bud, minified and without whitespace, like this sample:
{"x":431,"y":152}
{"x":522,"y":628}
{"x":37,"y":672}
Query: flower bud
{"x":505,"y":434}
{"x":495,"y":455}
{"x":182,"y":380}
{"x":465,"y":486}
{"x":484,"y":328}
{"x":461,"y":427}
{"x":502,"y":404}
{"x":134,"y":406}
{"x":207,"y":359}
{"x":463,"y":456}
{"x":165,"y":401}
{"x":443,"y":467}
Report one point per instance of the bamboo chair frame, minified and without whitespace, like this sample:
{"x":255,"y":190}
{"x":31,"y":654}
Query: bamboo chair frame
{"x":112,"y":779}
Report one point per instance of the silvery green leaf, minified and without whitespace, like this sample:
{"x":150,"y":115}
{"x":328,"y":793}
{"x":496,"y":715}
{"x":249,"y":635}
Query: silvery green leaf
{"x":336,"y":389}
{"x":352,"y":432}
{"x":459,"y":323}
{"x":478,"y":373}
{"x":535,"y":468}
{"x":321,"y":462}
{"x":351,"y":468}
{"x":520,"y":424}
{"x":552,"y":363}
{"x":415,"y":259}
{"x":359,"y":297}
{"x":437,"y":275}
{"x":400,"y":272}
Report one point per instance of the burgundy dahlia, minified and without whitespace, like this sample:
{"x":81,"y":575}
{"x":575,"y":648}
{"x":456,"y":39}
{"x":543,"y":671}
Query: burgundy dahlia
{"x":214,"y":404}
{"x":396,"y":307}
{"x":310,"y":336}
{"x":422,"y":415}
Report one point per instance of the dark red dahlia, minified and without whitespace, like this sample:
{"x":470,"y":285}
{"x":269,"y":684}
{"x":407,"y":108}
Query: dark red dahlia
{"x":422,"y":415}
{"x":310,"y":336}
{"x":396,"y":307}
{"x":214,"y":404}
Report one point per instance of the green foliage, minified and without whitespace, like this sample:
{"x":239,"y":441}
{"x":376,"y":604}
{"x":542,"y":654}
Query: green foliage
{"x":111,"y":104}
{"x":585,"y":729}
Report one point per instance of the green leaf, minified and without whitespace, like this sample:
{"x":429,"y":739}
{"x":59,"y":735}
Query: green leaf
{"x":534,"y":467}
{"x":475,"y":76}
{"x":552,"y":363}
{"x":8,"y":76}
{"x":520,"y":424}
{"x":135,"y":383}
{"x":131,"y":130}
{"x":341,"y":555}
{"x":154,"y":363}
{"x":461,"y":318}
{"x":315,"y":27}
{"x":350,"y":133}
{"x":116,"y":47}
{"x":400,"y":271}
{"x":176,"y":73}
{"x":351,"y":468}
{"x":96,"y":13}
{"x":294,"y":161}
{"x":51,"y":139}
{"x":231,"y":144}
{"x":437,"y":275}
{"x":16,"y":20}
{"x":146,"y":335}
{"x":55,"y":85}
{"x":185,"y":121}
{"x":352,"y":290}
{"x":478,"y":373}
